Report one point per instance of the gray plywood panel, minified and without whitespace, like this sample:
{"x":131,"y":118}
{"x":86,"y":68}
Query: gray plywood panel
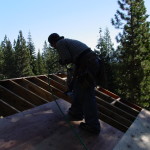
{"x":137,"y":136}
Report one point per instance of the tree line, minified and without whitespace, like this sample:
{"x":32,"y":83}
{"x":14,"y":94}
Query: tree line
{"x":127,"y":66}
{"x":20,"y":59}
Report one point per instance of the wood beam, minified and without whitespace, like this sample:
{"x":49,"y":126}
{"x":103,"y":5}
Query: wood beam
{"x":35,"y":89}
{"x":114,"y":96}
{"x":24,"y":93}
{"x":126,"y":108}
{"x":53,"y":83}
{"x":114,"y":115}
{"x":138,"y":108}
{"x":50,"y":88}
{"x":112,"y":122}
{"x":115,"y":109}
{"x":14,"y":100}
{"x":6,"y":109}
{"x":103,"y":96}
{"x":58,"y":79}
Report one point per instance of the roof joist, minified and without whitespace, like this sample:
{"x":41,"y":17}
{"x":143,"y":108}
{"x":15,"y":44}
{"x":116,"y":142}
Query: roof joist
{"x":25,"y":93}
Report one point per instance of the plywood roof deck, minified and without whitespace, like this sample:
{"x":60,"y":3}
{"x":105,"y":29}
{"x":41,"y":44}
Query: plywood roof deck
{"x":27,"y":94}
{"x":44,"y":128}
{"x":137,"y":136}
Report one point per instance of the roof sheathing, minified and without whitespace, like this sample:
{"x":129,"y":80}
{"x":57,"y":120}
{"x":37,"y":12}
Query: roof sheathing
{"x":25,"y":93}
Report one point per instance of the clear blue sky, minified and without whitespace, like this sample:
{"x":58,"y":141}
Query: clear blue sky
{"x":77,"y":19}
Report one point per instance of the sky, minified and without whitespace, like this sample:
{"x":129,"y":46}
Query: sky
{"x":75,"y":19}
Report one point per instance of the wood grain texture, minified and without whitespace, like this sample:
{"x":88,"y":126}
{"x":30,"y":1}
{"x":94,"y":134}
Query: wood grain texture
{"x":44,"y":128}
{"x":19,"y":93}
{"x":138,"y":135}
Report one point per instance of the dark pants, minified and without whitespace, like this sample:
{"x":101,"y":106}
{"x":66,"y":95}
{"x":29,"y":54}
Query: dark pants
{"x":84,"y":102}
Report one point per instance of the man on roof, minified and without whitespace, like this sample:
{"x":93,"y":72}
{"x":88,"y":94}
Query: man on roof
{"x":87,"y":65}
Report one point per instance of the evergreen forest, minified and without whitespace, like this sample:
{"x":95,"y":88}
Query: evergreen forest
{"x":127,"y":67}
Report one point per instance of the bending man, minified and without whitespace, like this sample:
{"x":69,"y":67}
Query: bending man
{"x":87,"y":66}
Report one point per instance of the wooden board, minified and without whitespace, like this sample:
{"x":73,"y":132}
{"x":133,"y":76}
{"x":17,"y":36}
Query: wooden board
{"x":6,"y":109}
{"x":137,"y":136}
{"x":24,"y":93}
{"x":38,"y":90}
{"x":14,"y":100}
{"x":44,"y":128}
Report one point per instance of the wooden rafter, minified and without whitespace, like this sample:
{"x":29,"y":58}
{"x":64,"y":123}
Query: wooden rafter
{"x":28,"y":92}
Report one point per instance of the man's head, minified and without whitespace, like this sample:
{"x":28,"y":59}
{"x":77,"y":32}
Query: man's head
{"x":53,"y":38}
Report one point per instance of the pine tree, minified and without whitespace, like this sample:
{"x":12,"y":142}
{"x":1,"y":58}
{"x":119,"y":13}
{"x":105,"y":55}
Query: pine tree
{"x":1,"y":63}
{"x":51,"y":58}
{"x":134,"y":50}
{"x":40,"y":64}
{"x":106,"y":53}
{"x":105,"y":46}
{"x":31,"y":49}
{"x":52,"y":61}
{"x":2,"y":56}
{"x":8,"y":59}
{"x":44,"y":56}
{"x":22,"y":57}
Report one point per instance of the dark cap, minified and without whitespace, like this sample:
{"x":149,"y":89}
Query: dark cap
{"x":54,"y":37}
